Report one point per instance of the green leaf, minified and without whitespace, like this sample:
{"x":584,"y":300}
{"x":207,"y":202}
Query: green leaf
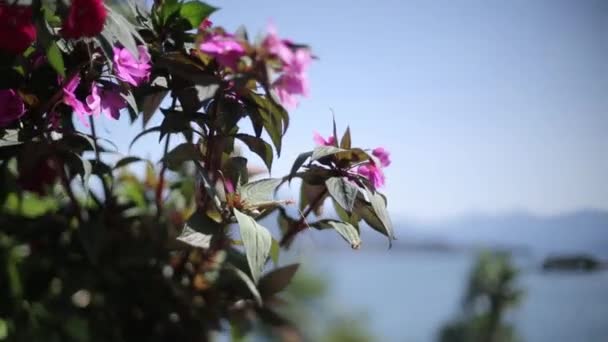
{"x":379,"y":204}
{"x":259,"y":147}
{"x":257,"y":241}
{"x":53,"y":54}
{"x":324,"y":151}
{"x":169,"y":8}
{"x":277,"y":280}
{"x":343,"y":191}
{"x":259,"y":191}
{"x":349,"y":232}
{"x":352,"y":217}
{"x":195,"y":12}
{"x":180,"y":154}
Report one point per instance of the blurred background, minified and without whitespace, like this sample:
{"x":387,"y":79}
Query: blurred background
{"x":495,"y":114}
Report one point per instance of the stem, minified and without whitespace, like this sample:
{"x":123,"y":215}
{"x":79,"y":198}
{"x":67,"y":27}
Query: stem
{"x":106,"y":188}
{"x":300,"y":225}
{"x":68,"y":189}
{"x":161,"y":181}
{"x":161,"y":177}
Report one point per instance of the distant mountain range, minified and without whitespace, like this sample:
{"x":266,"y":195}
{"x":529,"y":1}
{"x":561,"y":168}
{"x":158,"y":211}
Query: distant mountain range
{"x":538,"y":236}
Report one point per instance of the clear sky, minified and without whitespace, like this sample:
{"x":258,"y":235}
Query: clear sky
{"x":486,"y":106}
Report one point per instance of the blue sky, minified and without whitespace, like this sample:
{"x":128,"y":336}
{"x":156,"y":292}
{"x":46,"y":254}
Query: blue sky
{"x":486,"y":106}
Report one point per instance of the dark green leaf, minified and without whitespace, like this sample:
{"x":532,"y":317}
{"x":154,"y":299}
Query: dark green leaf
{"x":277,"y":280}
{"x":126,"y":161}
{"x":257,"y":241}
{"x":343,"y":191}
{"x":144,"y":132}
{"x":235,"y":169}
{"x":130,"y":99}
{"x":259,"y":147}
{"x":250,"y":285}
{"x":180,"y":154}
{"x":298,"y":163}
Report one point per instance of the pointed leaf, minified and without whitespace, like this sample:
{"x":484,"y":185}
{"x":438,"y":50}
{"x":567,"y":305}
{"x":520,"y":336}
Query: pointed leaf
{"x":259,"y":191}
{"x":343,"y":191}
{"x":324,"y":151}
{"x":277,"y":280}
{"x":257,"y":241}
{"x":259,"y":147}
{"x":300,"y":160}
{"x":195,"y":239}
{"x":345,"y":143}
{"x":53,"y":54}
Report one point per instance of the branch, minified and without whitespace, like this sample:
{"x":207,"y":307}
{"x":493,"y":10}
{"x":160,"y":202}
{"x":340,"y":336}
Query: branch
{"x":301,"y":224}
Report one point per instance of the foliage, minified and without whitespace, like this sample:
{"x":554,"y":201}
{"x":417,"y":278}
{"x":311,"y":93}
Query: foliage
{"x":92,"y":250}
{"x":492,"y":290}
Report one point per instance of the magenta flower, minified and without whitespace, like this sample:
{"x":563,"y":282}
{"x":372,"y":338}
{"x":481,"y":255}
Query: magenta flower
{"x":319,"y":140}
{"x":105,"y":100}
{"x":276,"y":46}
{"x":224,"y":48}
{"x":374,"y":172}
{"x":205,"y":25}
{"x":129,"y":69}
{"x":69,"y":98}
{"x":11,"y":107}
{"x":382,"y":155}
{"x":294,"y":80}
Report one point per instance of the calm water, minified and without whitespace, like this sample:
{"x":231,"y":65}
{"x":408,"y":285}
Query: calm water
{"x":409,"y":295}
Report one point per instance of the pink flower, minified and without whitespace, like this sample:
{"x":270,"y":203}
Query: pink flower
{"x":224,"y":48}
{"x":105,"y":100}
{"x":69,"y":98}
{"x":294,"y":80}
{"x":130,"y":70}
{"x":276,"y":46}
{"x":382,"y":155}
{"x":319,"y":140}
{"x":373,"y":173}
{"x":11,"y":107}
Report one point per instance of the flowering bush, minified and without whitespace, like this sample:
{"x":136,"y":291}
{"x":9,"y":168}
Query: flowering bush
{"x":178,"y":252}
